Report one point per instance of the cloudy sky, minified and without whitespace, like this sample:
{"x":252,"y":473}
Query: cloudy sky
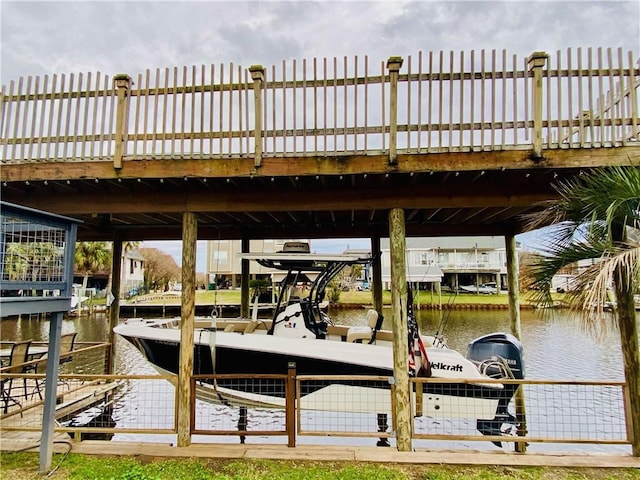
{"x":49,"y":37}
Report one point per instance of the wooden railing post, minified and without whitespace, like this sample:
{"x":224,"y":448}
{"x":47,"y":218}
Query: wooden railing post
{"x":122,"y":84}
{"x":537,"y":60}
{"x":401,"y":395}
{"x":257,"y":74}
{"x":393,"y":65}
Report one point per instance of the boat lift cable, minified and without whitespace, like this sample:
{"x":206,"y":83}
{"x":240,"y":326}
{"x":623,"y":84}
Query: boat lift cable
{"x":212,"y":347}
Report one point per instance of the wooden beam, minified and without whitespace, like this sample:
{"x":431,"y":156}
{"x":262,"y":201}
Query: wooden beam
{"x":163,"y":167}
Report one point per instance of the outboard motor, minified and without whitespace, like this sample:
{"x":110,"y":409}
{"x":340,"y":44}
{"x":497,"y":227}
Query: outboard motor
{"x":498,"y":355}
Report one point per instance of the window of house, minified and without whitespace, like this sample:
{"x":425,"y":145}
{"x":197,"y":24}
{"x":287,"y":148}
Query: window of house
{"x":132,"y":266}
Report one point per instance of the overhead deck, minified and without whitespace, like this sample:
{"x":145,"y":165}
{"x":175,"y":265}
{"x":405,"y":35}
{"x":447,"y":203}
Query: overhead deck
{"x":466,"y":143}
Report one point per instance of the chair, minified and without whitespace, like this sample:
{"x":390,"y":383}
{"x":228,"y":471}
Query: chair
{"x":19,"y":356}
{"x":67,"y":342}
{"x":39,"y":368}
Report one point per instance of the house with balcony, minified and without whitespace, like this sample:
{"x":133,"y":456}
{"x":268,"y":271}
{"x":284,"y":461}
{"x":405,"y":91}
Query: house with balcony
{"x":472,"y":264}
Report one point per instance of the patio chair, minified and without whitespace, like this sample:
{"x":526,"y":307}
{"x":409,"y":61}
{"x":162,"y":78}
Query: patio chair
{"x":19,"y":356}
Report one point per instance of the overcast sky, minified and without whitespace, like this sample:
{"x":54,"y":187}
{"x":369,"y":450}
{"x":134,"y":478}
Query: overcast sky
{"x":49,"y":37}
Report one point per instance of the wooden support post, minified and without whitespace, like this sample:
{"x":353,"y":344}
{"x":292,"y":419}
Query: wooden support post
{"x":114,"y":308}
{"x":514,"y":315}
{"x":401,"y":396}
{"x":376,"y":284}
{"x":187,"y":320}
{"x":257,"y":74}
{"x":122,"y":83}
{"x":244,"y":281}
{"x":537,"y":60}
{"x":393,"y":65}
{"x":291,"y":405}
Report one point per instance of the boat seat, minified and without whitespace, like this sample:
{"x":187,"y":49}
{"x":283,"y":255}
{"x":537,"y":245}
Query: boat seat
{"x":251,"y":326}
{"x":358,"y":334}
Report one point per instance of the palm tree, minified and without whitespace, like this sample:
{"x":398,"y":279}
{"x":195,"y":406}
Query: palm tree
{"x":91,"y":257}
{"x":597,"y":217}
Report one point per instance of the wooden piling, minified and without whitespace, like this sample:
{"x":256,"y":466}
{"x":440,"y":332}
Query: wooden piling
{"x":401,"y":394}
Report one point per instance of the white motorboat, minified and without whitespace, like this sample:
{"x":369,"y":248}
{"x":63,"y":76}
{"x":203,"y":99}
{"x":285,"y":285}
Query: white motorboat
{"x":301,"y":332}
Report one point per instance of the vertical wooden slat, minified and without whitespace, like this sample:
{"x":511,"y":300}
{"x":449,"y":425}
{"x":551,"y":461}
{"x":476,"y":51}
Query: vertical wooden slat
{"x":34,"y":117}
{"x":472,"y":101}
{"x":592,"y":113}
{"x":156,"y":101}
{"x":174,"y":109}
{"x":611,"y":97}
{"x":112,"y":100}
{"x":294,"y":92}
{"x":461,"y":107}
{"x":273,"y":105}
{"x":384,"y":104}
{"x":203,"y":96}
{"x":483,"y":82}
{"x":60,"y":110}
{"x":7,"y":122}
{"x":493,"y":98}
{"x":408,"y":132}
{"x":25,"y":119}
{"x":632,"y":97}
{"x":440,"y":99}
{"x":192,"y":126}
{"x":325,"y":104}
{"x":76,"y":120}
{"x":230,"y":125}
{"x":559,"y":77}
{"x":67,"y":124}
{"x":420,"y":80}
{"x":514,"y":99}
{"x":105,"y":138}
{"x":183,"y":110}
{"x":284,"y":107}
{"x":355,"y":104}
{"x":165,"y":111}
{"x":622,"y":102}
{"x":257,"y":74}
{"x":451,"y":112}
{"x":247,"y":144}
{"x":304,"y":105}
{"x":211,"y":99}
{"x":315,"y":105}
{"x":580,"y":101}
{"x":570,"y":97}
{"x":136,"y":116}
{"x":16,"y":122}
{"x":366,"y":102}
{"x":526,"y":105}
{"x":85,"y":117}
{"x":336,"y":93}
{"x":43,"y":114}
{"x":220,"y":111}
{"x":344,"y":101}
{"x":145,"y":122}
{"x":503,"y":114}
{"x":429,"y":104}
{"x":240,"y":123}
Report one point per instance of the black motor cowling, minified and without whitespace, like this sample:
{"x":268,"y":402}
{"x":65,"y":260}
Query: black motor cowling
{"x":496,"y":346}
{"x":499,"y":355}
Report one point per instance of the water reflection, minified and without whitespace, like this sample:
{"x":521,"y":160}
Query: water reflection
{"x":556,"y":347}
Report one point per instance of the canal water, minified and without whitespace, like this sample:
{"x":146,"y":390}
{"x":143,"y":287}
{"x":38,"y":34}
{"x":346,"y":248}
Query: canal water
{"x":556,"y":346}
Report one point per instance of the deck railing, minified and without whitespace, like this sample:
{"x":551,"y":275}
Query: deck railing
{"x":556,"y":411}
{"x":433,"y":102}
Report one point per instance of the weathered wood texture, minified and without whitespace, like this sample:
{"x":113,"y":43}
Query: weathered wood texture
{"x":446,"y":103}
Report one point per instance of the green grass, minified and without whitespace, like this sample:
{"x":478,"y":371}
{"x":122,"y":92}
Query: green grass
{"x":19,"y":466}
{"x":352,"y":297}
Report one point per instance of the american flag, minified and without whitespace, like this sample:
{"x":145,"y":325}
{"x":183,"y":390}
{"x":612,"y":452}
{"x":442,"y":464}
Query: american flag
{"x":416,"y":346}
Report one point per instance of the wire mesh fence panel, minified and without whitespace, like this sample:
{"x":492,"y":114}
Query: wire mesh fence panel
{"x":344,"y":406}
{"x":247,"y":406}
{"x":552,"y":411}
